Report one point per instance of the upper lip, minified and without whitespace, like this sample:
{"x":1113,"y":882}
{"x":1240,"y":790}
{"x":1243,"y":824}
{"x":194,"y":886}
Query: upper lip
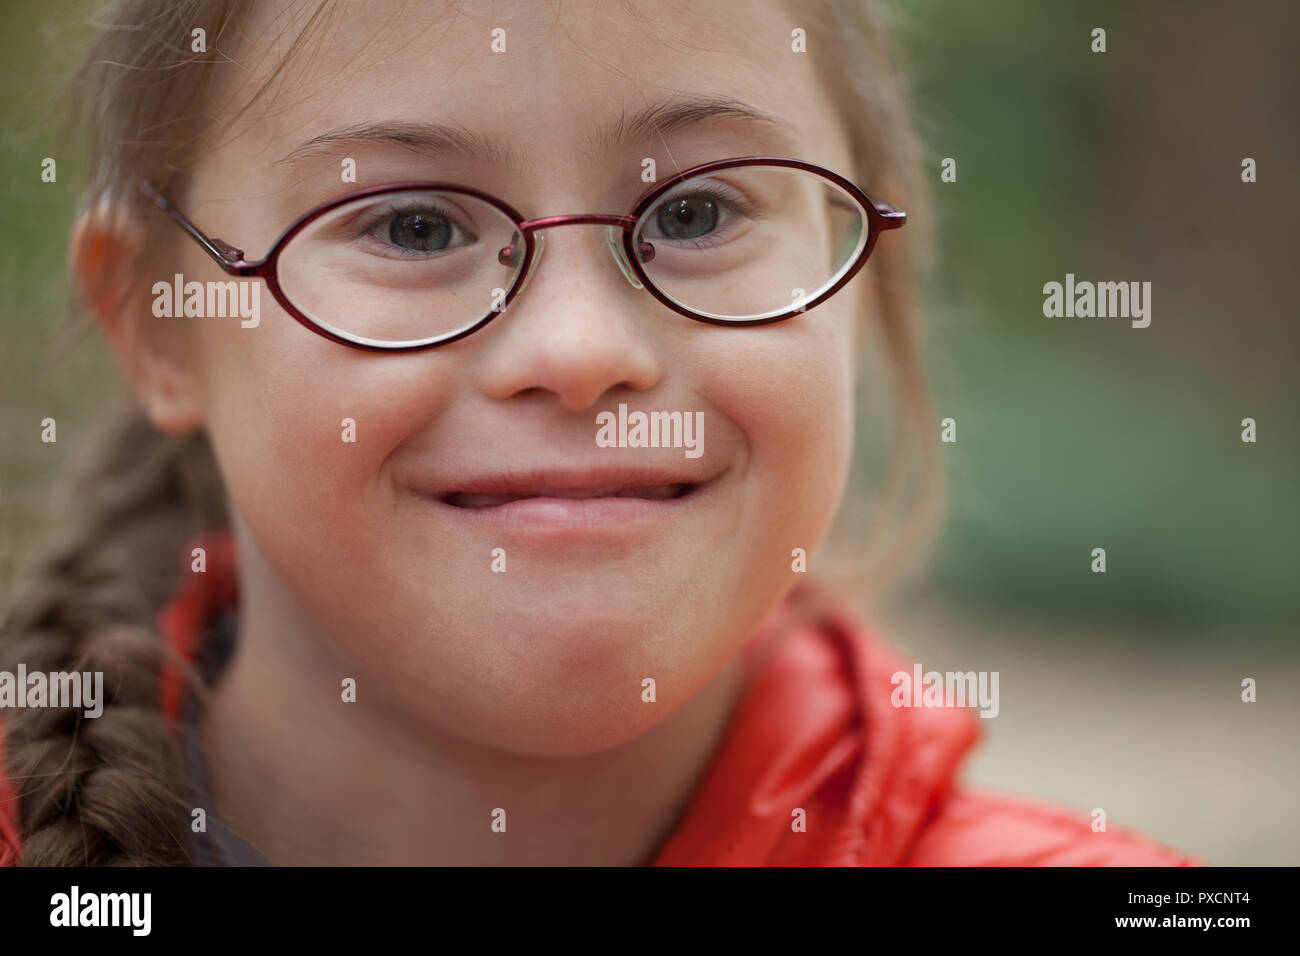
{"x":583,"y":482}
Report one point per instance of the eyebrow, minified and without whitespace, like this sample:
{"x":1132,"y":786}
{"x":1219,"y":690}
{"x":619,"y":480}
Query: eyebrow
{"x":458,"y":140}
{"x":668,"y":116}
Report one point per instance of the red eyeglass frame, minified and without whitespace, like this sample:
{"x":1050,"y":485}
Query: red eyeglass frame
{"x":880,"y":217}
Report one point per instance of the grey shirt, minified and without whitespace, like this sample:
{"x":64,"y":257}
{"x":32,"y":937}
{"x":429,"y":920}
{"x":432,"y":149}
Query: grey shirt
{"x":219,"y":845}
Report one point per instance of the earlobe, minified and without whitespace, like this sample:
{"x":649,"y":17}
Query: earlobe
{"x":107,"y":257}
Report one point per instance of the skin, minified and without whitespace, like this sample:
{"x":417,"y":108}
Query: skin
{"x":479,"y":690}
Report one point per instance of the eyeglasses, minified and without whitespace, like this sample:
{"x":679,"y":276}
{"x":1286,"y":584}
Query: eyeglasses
{"x":416,"y":265}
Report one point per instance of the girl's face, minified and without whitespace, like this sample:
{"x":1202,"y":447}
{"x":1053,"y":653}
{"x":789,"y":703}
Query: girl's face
{"x":401,"y":587}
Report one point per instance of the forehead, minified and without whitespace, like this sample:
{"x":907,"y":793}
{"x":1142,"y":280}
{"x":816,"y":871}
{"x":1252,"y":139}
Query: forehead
{"x":531,"y":86}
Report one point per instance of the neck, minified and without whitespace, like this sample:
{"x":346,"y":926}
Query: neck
{"x":310,"y":781}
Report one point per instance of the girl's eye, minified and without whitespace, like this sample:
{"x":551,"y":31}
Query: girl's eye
{"x":689,"y":217}
{"x":419,"y":231}
{"x":699,"y":218}
{"x":416,"y":232}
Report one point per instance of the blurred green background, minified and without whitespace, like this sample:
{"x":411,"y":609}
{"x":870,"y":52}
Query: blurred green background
{"x":1072,"y":433}
{"x":1079,"y":433}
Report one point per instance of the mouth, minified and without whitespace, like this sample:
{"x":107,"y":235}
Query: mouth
{"x":575,"y":504}
{"x":665,"y":492}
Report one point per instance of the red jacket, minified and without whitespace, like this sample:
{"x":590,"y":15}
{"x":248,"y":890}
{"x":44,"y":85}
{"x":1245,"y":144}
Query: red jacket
{"x":816,"y":731}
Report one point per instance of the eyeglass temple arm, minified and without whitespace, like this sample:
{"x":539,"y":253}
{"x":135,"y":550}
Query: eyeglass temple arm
{"x":891,"y":217}
{"x":230,"y":259}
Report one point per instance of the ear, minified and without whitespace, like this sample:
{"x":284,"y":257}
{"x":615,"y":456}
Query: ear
{"x":106,"y":251}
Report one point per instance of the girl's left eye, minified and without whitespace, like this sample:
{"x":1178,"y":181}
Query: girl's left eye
{"x":418,"y":232}
{"x":699,"y":217}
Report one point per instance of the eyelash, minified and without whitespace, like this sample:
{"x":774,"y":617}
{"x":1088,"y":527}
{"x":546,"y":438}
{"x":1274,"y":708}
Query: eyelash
{"x":378,"y":219}
{"x":726,"y":198}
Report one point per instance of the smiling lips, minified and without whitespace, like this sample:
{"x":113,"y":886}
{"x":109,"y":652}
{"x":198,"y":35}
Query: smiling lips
{"x":490,"y":490}
{"x":572,"y":501}
{"x":463,"y":499}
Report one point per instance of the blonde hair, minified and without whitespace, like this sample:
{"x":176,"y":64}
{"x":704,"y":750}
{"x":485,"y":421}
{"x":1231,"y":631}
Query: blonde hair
{"x":111,"y":790}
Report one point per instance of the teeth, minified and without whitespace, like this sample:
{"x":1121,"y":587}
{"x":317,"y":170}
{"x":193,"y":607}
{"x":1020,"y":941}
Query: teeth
{"x":462,"y":499}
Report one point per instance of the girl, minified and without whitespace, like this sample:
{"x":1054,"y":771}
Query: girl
{"x":368,"y":573}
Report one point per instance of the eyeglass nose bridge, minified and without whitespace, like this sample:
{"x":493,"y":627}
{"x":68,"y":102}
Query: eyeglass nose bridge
{"x":615,"y":227}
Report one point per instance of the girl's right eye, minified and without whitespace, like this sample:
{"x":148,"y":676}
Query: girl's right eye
{"x":417,"y":232}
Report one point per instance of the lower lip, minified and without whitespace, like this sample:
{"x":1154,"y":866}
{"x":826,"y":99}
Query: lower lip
{"x":575,"y":517}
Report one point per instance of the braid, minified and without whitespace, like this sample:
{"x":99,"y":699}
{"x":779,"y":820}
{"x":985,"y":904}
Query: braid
{"x":111,"y":789}
{"x":107,"y":790}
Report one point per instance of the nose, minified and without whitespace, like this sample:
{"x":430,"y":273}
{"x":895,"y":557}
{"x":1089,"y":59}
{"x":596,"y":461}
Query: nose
{"x":615,"y":229}
{"x":573,"y":336}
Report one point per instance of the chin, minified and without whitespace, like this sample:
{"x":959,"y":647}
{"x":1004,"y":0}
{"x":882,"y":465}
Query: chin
{"x":578,"y":732}
{"x":583,"y":715}
{"x":567,"y":687}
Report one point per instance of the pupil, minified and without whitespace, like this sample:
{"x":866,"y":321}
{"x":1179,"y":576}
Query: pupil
{"x":688,"y":218}
{"x":419,"y":231}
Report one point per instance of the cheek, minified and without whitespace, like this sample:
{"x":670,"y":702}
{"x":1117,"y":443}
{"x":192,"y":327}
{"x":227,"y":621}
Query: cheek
{"x":302,"y":428}
{"x":789,"y":388}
